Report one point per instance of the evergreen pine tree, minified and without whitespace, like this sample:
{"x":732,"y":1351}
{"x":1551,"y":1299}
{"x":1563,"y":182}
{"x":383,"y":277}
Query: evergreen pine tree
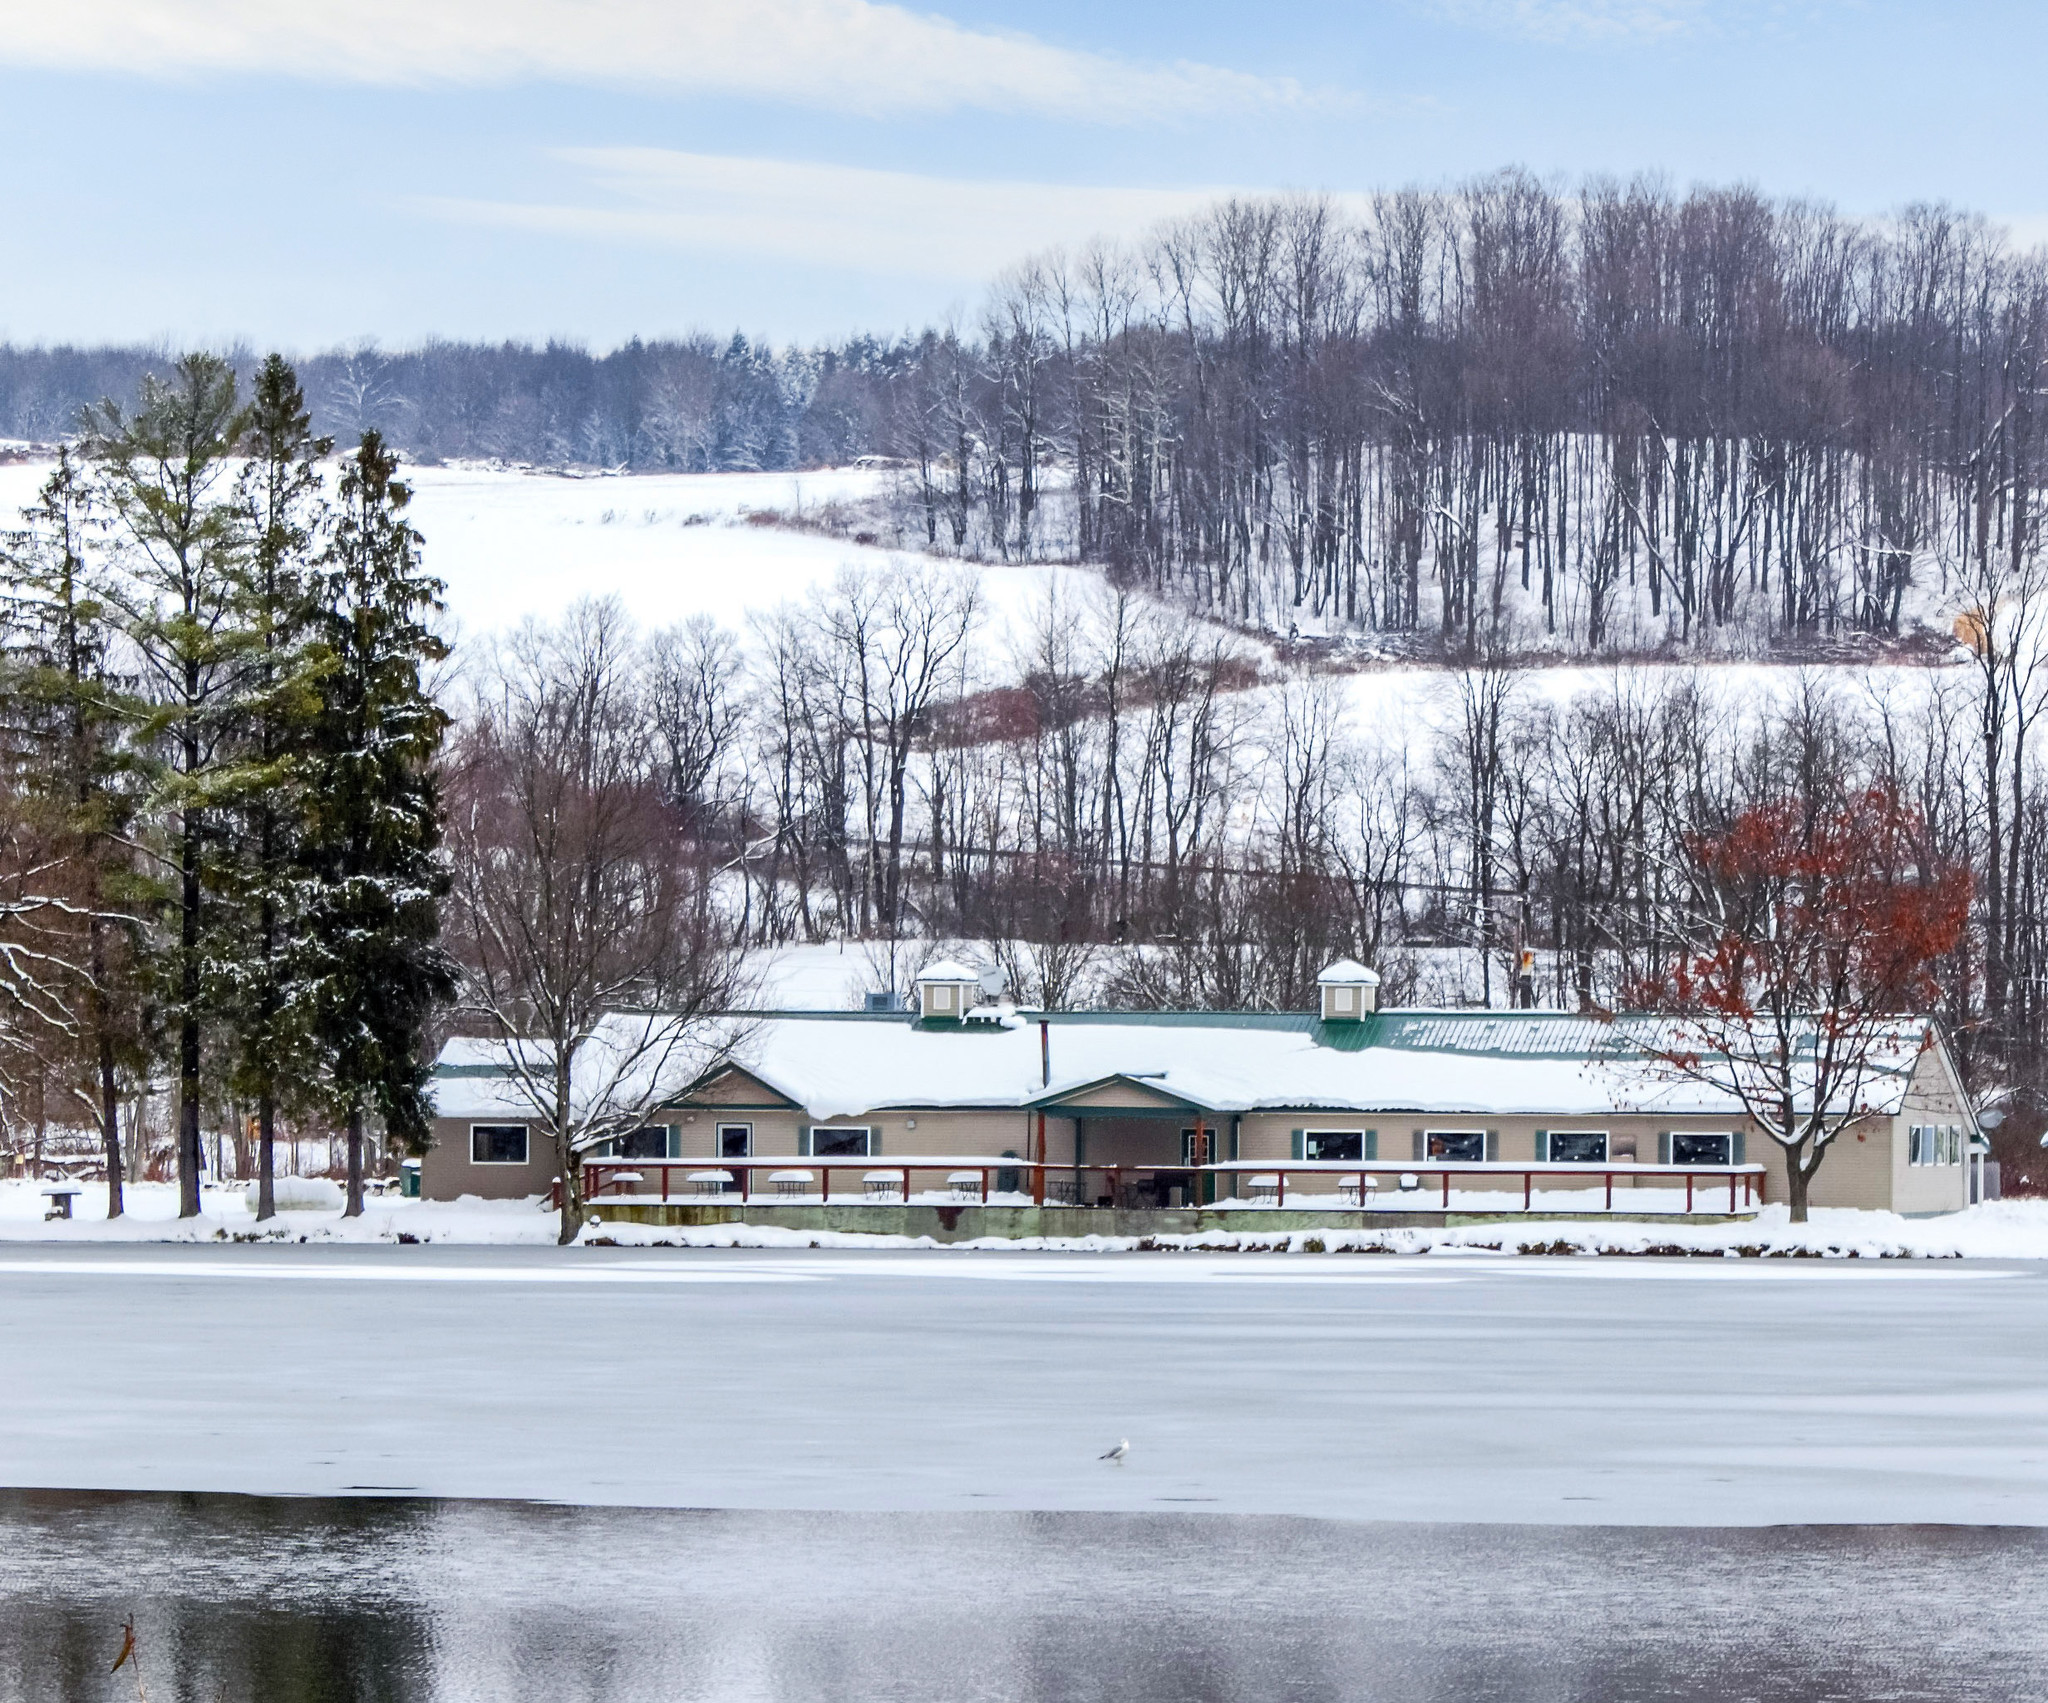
{"x":66,"y":716}
{"x":161,"y":478}
{"x":281,"y":498}
{"x":372,"y":969}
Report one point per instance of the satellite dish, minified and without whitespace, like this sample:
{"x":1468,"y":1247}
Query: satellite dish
{"x":991,"y":983}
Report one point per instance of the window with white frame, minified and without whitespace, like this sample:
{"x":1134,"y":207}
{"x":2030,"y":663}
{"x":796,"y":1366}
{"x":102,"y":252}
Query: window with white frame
{"x":1578,"y":1147}
{"x":1934,"y":1144}
{"x":1702,"y":1147}
{"x":1344,"y":1145}
{"x":497,"y":1144}
{"x":1465,"y":1146}
{"x":735,"y":1141}
{"x":840,"y":1142}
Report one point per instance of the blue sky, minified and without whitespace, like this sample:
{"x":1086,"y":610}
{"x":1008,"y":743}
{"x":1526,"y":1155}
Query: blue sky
{"x":303,"y":172}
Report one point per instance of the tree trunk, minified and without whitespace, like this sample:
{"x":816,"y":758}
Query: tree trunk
{"x":110,"y":1126}
{"x":572,"y":1193}
{"x":1797,"y":1179}
{"x":188,"y":1022}
{"x":354,"y":1206}
{"x":266,"y":1156}
{"x":565,"y":1152}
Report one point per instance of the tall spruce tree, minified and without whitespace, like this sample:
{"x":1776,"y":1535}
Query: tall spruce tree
{"x":371,"y":966}
{"x":163,"y":478}
{"x":66,"y":714}
{"x":282,"y":502}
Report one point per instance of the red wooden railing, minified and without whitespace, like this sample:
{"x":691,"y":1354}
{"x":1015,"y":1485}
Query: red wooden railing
{"x":1743,"y":1182}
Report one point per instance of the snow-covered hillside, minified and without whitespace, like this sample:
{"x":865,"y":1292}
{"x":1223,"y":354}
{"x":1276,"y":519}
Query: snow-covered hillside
{"x":511,"y":544}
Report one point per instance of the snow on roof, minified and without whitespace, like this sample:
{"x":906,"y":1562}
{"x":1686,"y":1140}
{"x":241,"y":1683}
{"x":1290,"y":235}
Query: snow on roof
{"x":947,"y":970}
{"x":1348,"y":971}
{"x":847,"y":1064}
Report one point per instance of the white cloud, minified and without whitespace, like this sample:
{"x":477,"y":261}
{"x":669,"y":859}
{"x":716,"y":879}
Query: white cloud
{"x":853,"y":55}
{"x":898,"y":223}
{"x":1578,"y":20}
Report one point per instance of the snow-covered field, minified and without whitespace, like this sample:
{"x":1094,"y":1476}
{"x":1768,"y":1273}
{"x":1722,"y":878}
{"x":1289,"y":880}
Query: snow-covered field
{"x":511,"y":544}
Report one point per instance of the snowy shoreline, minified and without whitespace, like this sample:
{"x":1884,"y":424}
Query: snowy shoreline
{"x":2013,"y":1230}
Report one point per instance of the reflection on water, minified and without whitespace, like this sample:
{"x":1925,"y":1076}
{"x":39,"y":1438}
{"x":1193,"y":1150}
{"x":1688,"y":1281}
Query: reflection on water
{"x":350,"y":1601}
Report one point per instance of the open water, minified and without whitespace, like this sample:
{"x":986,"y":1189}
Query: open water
{"x":351,"y":1599}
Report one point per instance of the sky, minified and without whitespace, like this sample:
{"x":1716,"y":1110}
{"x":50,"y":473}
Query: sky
{"x":302,"y":173}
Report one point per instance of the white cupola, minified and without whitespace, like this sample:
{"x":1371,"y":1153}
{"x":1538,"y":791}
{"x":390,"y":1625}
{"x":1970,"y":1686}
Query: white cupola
{"x":1349,"y":991}
{"x":947,"y":990}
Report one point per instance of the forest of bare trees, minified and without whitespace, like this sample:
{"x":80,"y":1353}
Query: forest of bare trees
{"x":1617,"y":419}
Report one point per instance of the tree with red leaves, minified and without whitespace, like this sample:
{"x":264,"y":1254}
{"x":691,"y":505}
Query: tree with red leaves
{"x":1812,"y":937}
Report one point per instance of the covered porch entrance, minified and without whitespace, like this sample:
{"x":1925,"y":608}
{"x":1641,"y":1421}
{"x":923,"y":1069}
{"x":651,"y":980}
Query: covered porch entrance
{"x":1134,"y":1146}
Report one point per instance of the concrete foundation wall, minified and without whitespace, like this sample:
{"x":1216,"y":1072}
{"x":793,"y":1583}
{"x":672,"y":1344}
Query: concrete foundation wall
{"x":967,"y":1223}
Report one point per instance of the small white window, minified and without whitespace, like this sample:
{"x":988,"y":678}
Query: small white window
{"x":1701,"y":1147}
{"x":497,"y":1144}
{"x":735,"y":1141}
{"x":1341,"y":998}
{"x":942,"y":999}
{"x":1344,"y":1145}
{"x":841,"y":1143}
{"x":1466,"y":1146}
{"x":1578,"y":1147}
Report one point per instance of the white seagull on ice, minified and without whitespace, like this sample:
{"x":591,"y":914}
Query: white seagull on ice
{"x":1123,"y":1448}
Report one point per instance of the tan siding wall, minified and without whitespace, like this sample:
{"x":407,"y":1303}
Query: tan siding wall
{"x":446,"y":1172}
{"x":1268,"y":1136}
{"x":968,"y":1133}
{"x":1932,"y":1097}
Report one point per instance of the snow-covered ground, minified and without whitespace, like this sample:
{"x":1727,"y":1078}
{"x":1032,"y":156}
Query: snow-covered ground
{"x":511,"y":544}
{"x":2007,"y":1230}
{"x":1591,"y":1391}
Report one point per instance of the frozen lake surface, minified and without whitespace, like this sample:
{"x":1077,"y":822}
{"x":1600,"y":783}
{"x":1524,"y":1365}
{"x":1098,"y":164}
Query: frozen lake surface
{"x":1542,"y":1391}
{"x":426,"y":1602}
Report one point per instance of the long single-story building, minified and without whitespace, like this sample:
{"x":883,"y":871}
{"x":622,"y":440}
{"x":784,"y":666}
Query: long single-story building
{"x":1349,"y":1103}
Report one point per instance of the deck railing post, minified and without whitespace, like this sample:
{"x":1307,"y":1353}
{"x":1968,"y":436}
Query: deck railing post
{"x":1688,"y":1194}
{"x":1280,"y":1199}
{"x":1447,"y":1190}
{"x":1610,"y":1191}
{"x":1528,"y":1182}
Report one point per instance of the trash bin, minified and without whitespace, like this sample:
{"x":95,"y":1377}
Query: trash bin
{"x":409,"y":1179}
{"x":1009,"y":1182}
